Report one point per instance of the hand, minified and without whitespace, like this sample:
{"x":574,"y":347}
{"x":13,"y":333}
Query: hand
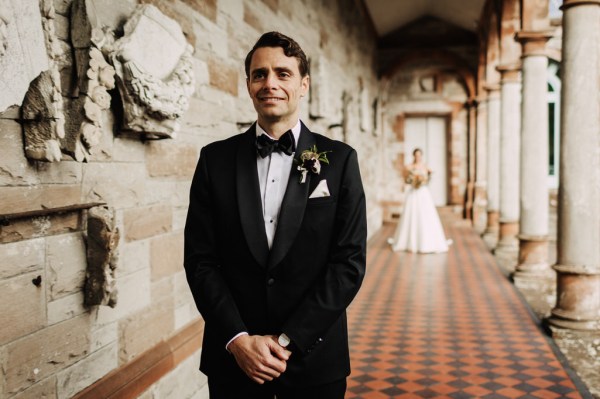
{"x":260,"y":357}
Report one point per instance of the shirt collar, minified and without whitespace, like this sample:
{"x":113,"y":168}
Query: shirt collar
{"x":295,"y":131}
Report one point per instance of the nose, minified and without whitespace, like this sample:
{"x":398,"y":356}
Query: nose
{"x":270,"y":81}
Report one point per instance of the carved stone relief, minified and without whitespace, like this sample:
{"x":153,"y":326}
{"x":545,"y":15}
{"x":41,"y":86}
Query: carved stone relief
{"x":102,"y":242}
{"x":22,"y":49}
{"x":154,"y":73}
{"x":42,"y":111}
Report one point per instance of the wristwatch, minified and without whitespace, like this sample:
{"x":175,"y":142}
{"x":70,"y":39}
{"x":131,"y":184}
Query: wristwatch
{"x":283,"y":340}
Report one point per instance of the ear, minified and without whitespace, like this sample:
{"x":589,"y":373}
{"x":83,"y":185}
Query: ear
{"x":305,"y":85}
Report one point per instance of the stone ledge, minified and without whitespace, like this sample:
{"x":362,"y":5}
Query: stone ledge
{"x":133,"y":378}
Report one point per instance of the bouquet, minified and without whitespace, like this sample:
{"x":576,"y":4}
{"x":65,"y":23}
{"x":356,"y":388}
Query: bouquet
{"x":416,"y":178}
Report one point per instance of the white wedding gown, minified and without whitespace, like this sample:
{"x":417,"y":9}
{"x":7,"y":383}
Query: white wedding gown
{"x":419,"y":229}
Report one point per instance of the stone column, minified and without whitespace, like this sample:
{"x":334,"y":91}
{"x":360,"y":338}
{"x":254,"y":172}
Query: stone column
{"x":472,"y":120}
{"x":533,"y":263}
{"x":493,"y":160}
{"x":480,"y":202}
{"x":578,"y":262}
{"x":510,"y":126}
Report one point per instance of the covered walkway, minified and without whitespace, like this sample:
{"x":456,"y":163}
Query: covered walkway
{"x":449,"y":326}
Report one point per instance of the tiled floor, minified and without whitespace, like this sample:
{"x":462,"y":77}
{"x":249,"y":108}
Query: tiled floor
{"x":448,"y":326}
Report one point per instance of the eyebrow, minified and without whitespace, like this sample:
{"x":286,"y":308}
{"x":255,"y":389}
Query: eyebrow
{"x":277,"y":69}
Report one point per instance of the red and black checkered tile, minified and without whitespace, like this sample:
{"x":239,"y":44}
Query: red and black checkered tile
{"x":448,"y":326}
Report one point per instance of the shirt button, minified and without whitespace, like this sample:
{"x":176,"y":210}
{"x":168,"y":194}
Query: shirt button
{"x":271,"y":281}
{"x":273,"y":181}
{"x":271,"y":221}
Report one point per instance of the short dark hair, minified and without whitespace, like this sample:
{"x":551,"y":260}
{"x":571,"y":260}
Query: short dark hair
{"x":417,"y":150}
{"x":289,"y":46}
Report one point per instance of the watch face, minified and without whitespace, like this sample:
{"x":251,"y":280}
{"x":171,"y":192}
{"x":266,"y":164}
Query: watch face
{"x":283,"y":340}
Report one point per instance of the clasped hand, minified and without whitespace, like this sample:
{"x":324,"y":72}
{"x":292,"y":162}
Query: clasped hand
{"x":260,"y":357}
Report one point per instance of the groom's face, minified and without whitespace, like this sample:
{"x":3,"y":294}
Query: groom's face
{"x":275,"y":85}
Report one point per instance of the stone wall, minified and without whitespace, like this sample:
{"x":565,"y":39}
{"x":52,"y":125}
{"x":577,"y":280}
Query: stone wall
{"x":53,"y":346}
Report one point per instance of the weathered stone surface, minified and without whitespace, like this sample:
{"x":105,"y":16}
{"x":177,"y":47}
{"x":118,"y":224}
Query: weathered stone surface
{"x":87,"y":371}
{"x":22,"y":257}
{"x":24,"y":229}
{"x":134,"y":294}
{"x":103,"y":336}
{"x":22,"y":306}
{"x":28,"y":198}
{"x":223,"y":76}
{"x":24,"y":50}
{"x":208,"y":8}
{"x":142,"y":223}
{"x":154,"y":90}
{"x":119,"y":184}
{"x":102,"y":241}
{"x":133,"y":256}
{"x":45,"y":389}
{"x":181,"y":382}
{"x":43,"y":120}
{"x":65,"y":308}
{"x":144,"y":329}
{"x":66,"y":257}
{"x":170,"y":159}
{"x":166,"y":255}
{"x":45,"y":352}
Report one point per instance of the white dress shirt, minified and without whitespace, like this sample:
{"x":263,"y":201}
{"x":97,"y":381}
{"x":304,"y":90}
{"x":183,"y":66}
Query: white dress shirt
{"x":273,"y":176}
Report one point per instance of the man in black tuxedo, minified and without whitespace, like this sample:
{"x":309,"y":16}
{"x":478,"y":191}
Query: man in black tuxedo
{"x":275,"y":243}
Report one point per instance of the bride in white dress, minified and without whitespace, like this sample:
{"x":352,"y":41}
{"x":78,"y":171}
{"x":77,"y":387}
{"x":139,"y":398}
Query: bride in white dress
{"x":419,"y":229}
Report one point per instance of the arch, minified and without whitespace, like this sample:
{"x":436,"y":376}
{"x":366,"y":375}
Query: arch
{"x":444,"y":57}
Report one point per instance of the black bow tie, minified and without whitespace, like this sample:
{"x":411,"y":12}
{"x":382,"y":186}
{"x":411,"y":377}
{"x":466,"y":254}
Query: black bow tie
{"x":266,"y":145}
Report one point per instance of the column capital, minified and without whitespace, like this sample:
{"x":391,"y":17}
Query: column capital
{"x":533,"y":42}
{"x":491,"y":87}
{"x":510,"y":71}
{"x":574,"y":3}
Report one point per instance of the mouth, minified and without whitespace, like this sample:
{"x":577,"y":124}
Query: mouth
{"x":270,"y":99}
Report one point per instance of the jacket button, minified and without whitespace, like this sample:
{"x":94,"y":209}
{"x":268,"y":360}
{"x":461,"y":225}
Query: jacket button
{"x":271,"y":281}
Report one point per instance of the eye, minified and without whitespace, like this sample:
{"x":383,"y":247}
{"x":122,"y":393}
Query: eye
{"x":284,"y":74}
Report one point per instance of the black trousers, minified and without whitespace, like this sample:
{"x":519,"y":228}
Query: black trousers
{"x":270,"y":390}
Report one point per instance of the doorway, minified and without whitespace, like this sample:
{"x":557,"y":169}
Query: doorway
{"x":429,"y":134}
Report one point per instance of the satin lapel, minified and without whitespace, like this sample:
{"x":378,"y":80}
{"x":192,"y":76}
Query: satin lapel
{"x":293,"y":204}
{"x":248,"y":198}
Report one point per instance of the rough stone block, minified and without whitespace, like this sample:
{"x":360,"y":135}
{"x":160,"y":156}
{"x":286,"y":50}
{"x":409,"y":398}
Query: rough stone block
{"x":183,"y":295}
{"x":171,"y":159}
{"x":119,"y":184}
{"x":182,"y":382}
{"x":184,"y":315}
{"x":45,"y":389}
{"x":146,"y":222}
{"x":39,"y":355}
{"x":145,"y":328}
{"x":103,"y":336}
{"x":66,"y":257}
{"x":127,"y":150}
{"x":22,"y":306}
{"x":179,"y":217}
{"x":65,"y":308}
{"x":24,"y":229}
{"x":166,"y":255}
{"x":208,"y":8}
{"x":87,"y":371}
{"x":21,"y":257}
{"x":24,"y":60}
{"x":14,"y":168}
{"x":133,"y":257}
{"x":222,"y":76}
{"x":134,"y":294}
{"x":21,"y":199}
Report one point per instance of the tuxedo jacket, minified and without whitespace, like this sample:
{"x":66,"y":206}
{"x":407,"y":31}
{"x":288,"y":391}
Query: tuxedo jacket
{"x":303,"y":284}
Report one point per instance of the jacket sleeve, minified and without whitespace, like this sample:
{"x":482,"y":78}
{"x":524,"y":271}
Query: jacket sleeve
{"x":201,"y":261}
{"x":345,"y":269}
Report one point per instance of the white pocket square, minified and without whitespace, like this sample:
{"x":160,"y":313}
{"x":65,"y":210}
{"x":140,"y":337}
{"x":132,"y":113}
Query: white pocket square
{"x":321,"y":190}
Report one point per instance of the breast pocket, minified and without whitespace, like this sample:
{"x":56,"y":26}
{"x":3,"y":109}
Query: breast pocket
{"x":321,"y":201}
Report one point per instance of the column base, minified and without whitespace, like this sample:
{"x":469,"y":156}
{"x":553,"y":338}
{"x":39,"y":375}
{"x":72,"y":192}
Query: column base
{"x":578,"y":299}
{"x":479,"y":208}
{"x":507,"y":240}
{"x":533,"y":267}
{"x":493,"y":224}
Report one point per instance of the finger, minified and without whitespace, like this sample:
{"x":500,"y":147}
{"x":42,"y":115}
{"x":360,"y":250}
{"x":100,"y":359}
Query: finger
{"x":275,"y":365}
{"x":280,"y":352}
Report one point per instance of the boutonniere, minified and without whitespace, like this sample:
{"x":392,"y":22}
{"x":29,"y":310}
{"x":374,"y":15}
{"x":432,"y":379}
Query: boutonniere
{"x":310,"y":160}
